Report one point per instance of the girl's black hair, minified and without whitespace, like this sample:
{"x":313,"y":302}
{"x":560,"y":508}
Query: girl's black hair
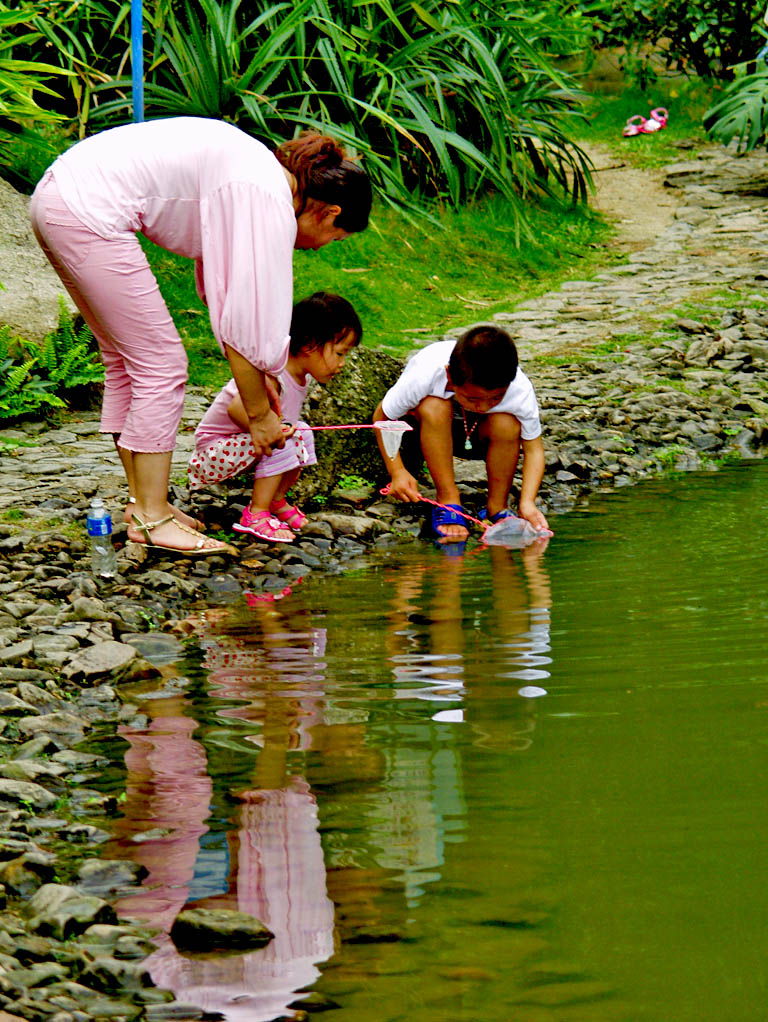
{"x":324,"y":173}
{"x":321,"y":318}
{"x":484,"y":356}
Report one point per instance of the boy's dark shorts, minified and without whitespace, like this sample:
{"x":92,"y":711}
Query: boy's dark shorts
{"x":410,"y":450}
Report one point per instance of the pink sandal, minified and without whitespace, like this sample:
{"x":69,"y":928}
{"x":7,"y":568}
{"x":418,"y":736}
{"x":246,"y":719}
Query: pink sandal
{"x":263,"y":525}
{"x":635,"y":125}
{"x":288,"y":514}
{"x":656,"y":121}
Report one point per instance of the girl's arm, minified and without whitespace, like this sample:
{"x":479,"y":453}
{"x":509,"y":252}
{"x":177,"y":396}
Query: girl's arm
{"x":534,"y":464}
{"x":403,"y":485}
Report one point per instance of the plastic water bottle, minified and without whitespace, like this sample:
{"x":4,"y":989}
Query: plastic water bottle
{"x":99,"y":525}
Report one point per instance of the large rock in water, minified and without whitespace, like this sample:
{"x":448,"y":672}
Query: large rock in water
{"x":29,"y":300}
{"x":352,"y":397}
{"x":204,"y":929}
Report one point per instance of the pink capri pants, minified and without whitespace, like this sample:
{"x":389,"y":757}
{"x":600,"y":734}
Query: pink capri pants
{"x":115,"y":290}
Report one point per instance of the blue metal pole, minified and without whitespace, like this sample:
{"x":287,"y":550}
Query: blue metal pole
{"x":137,"y":59}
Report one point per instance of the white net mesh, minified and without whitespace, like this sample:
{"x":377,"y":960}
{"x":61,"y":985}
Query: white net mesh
{"x":392,"y":434}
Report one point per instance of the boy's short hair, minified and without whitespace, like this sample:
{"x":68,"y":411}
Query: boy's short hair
{"x":484,"y":356}
{"x":321,"y":318}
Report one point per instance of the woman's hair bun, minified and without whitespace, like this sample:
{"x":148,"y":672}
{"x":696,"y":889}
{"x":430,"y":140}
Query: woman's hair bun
{"x":323,"y":172}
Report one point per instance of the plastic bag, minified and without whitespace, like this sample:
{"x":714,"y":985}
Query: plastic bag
{"x":513,"y":532}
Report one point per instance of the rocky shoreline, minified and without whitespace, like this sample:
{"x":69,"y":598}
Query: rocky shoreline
{"x":68,"y":642}
{"x":621,"y":401}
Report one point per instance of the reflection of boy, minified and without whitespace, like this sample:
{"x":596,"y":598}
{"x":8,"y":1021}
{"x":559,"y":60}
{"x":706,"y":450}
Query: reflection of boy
{"x":469,"y":398}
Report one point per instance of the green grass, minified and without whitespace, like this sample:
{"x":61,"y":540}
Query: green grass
{"x":685,"y":99}
{"x":413,"y":281}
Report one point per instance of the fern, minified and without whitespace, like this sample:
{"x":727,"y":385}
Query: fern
{"x":46,"y":355}
{"x":23,"y":392}
{"x":17,"y":376}
{"x":68,"y":357}
{"x":40,"y":377}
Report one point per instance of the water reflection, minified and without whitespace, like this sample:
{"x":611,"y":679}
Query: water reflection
{"x":447,"y":620}
{"x":595,"y":854}
{"x":364,"y":711}
{"x":270,"y":864}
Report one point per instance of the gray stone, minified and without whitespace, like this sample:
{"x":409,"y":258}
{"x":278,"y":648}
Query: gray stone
{"x":41,"y":699}
{"x":16,"y":652}
{"x":350,"y":398}
{"x":65,"y":725}
{"x":211,"y":929}
{"x":104,"y":658}
{"x":30,"y":770}
{"x":103,"y":876}
{"x":12,"y":706}
{"x":87,"y":608}
{"x":29,"y":299}
{"x":26,"y":791}
{"x":349,"y":525}
{"x":112,"y":974}
{"x":60,"y":911}
{"x":156,"y":647}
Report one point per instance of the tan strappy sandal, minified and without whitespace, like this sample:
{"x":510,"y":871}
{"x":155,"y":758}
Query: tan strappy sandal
{"x":198,"y":550}
{"x":198,"y":525}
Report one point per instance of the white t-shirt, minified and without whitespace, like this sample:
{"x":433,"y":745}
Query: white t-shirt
{"x":425,"y":376}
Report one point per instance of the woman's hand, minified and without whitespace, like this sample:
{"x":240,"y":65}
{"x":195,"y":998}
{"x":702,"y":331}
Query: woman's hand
{"x":266,"y":433}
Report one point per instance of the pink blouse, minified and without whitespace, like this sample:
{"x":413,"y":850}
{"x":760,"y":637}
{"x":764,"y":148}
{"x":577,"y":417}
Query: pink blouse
{"x":206,"y":190}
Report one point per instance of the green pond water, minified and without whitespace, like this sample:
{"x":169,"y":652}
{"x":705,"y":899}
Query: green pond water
{"x":356,"y":766}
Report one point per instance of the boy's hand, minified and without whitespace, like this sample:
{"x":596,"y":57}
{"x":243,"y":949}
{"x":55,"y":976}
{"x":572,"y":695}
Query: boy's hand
{"x":531,"y":513}
{"x":404,"y":487}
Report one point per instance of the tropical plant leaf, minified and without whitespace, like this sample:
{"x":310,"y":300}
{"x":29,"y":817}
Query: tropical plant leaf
{"x":741,"y":113}
{"x":441,"y":100}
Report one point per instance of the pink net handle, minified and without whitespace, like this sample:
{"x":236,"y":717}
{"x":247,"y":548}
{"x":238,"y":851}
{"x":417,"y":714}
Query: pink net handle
{"x":483,"y":525}
{"x":395,"y":425}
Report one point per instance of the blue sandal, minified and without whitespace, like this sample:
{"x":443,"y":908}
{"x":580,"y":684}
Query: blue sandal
{"x":442,"y":516}
{"x":498,"y":517}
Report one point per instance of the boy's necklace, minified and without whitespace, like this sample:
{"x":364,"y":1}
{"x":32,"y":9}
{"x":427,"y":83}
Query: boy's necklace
{"x":468,"y":431}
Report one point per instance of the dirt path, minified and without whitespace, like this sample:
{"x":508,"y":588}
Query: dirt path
{"x":695,"y":234}
{"x":634,"y":199}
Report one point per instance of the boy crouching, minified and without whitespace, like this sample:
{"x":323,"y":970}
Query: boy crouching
{"x":469,"y":399}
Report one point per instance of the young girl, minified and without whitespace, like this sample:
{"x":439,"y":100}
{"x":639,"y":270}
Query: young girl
{"x":324,"y":329}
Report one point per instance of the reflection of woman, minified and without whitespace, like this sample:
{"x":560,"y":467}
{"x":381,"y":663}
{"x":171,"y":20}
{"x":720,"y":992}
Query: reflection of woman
{"x":203,"y":189}
{"x":168,"y":792}
{"x":274,"y":868}
{"x":280,"y":880}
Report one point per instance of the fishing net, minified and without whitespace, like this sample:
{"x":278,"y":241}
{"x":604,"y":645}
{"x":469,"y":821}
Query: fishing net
{"x":513,"y":532}
{"x":392,"y":431}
